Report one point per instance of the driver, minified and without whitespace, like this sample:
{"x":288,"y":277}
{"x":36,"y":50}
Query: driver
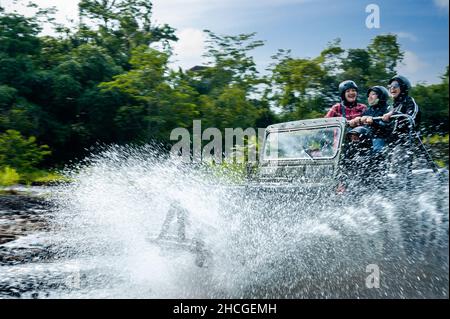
{"x":349,"y":106}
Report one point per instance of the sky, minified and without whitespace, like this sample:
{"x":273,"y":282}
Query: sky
{"x":304,"y":26}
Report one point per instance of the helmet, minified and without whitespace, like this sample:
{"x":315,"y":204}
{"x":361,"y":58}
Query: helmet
{"x":344,"y":86}
{"x":381,"y":91}
{"x":363,"y":141}
{"x":362,"y":131}
{"x":405,"y":85}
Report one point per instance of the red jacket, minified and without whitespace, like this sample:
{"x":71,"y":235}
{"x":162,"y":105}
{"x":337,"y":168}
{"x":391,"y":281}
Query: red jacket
{"x":350,"y":112}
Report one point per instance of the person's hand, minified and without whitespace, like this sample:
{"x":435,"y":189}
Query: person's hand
{"x":387,"y":117}
{"x":367,"y":120}
{"x":355,"y":122}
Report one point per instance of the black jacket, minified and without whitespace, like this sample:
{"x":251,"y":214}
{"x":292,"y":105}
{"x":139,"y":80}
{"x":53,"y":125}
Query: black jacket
{"x":406,"y":105}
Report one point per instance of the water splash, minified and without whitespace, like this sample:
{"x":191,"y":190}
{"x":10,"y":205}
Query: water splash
{"x":264,"y":243}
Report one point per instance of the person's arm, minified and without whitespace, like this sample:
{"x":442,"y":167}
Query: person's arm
{"x":365,"y":118}
{"x":332,"y":112}
{"x":412,"y":109}
{"x":387,"y":116}
{"x":379,"y":125}
{"x":355,"y":122}
{"x":359,"y":120}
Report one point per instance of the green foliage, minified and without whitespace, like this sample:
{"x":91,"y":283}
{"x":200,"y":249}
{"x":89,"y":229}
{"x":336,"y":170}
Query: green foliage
{"x":101,"y":81}
{"x":385,"y":54}
{"x":296,"y":84}
{"x":14,"y":25}
{"x":433,"y":101}
{"x":7,"y":96}
{"x":42,"y":177}
{"x":438,"y":146}
{"x":8,"y":176}
{"x":21,"y":116}
{"x":148,"y":98}
{"x":230,"y":63}
{"x":21,"y":153}
{"x":122,"y":25}
{"x":229,"y":172}
{"x":234,"y":110}
{"x":147,"y":72}
{"x":358,"y":66}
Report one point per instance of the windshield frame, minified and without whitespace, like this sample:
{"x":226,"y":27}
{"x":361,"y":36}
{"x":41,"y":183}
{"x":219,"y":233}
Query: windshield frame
{"x":310,"y":158}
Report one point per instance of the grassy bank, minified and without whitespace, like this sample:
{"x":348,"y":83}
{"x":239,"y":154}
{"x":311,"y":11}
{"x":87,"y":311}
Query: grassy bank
{"x":9,"y":176}
{"x":438,"y":147}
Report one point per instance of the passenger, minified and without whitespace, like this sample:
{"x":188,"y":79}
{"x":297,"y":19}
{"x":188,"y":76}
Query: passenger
{"x":399,"y":87}
{"x":360,"y":142}
{"x":376,"y":132}
{"x":377,"y":97}
{"x":349,"y":106}
{"x":404,"y":132}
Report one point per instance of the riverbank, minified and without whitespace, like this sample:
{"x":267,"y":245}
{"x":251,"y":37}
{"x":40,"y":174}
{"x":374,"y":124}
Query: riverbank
{"x":10,"y":177}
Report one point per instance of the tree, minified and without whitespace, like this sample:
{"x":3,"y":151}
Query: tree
{"x":151,"y":107}
{"x":357,"y":67}
{"x":19,"y":35}
{"x":295,"y":83}
{"x":122,"y":26}
{"x":229,"y":62}
{"x":19,"y":152}
{"x":19,"y":42}
{"x":433,"y":101}
{"x":385,"y":55}
{"x":332,"y":62}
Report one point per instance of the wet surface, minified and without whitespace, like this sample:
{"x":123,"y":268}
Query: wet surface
{"x":21,"y":215}
{"x":91,"y":239}
{"x":24,"y":221}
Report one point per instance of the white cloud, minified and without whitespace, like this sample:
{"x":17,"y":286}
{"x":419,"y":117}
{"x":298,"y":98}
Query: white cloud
{"x":184,"y":13}
{"x":189,"y":48}
{"x":442,"y":4}
{"x":66,"y":10}
{"x":411,"y":66}
{"x":406,"y":35}
{"x":180,"y":14}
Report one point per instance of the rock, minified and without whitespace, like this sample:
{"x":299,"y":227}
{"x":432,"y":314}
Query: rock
{"x":6,"y":238}
{"x":21,"y":215}
{"x":22,"y":203}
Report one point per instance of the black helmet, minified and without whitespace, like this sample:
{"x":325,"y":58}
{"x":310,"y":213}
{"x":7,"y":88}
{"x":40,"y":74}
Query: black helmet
{"x":405,"y":85}
{"x":344,"y":86}
{"x":381,"y":91}
{"x":362,"y":131}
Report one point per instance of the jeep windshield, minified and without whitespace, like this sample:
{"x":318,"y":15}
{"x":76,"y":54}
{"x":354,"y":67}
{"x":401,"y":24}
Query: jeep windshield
{"x":302,"y":144}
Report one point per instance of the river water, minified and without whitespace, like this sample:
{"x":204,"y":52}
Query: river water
{"x":100,"y":239}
